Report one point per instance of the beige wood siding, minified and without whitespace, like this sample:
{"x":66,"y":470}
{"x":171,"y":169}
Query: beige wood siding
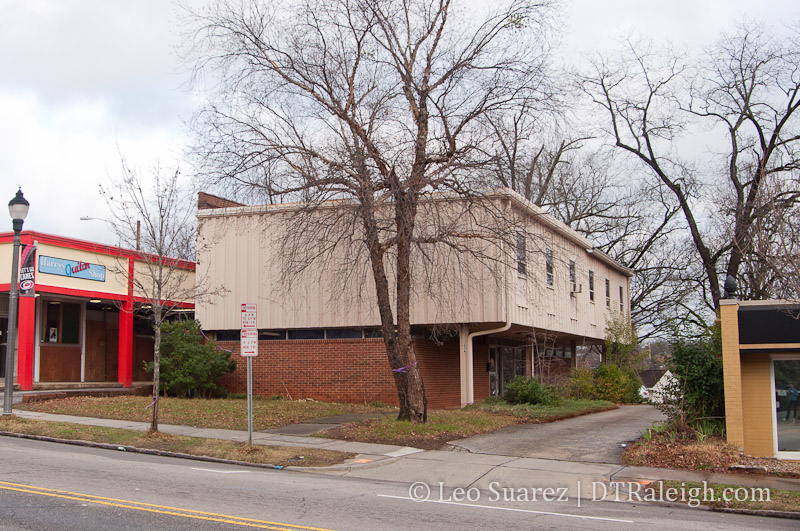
{"x":178,"y":284}
{"x":240,"y":249}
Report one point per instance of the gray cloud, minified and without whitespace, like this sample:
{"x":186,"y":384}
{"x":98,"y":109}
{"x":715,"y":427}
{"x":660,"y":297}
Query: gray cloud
{"x":120,"y":52}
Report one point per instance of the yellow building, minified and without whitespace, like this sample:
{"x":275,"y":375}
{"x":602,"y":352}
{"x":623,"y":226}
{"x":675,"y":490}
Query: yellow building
{"x":761,"y":365}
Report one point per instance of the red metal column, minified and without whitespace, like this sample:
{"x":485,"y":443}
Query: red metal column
{"x":26,"y":328}
{"x":126,"y":334}
{"x":25,"y":349}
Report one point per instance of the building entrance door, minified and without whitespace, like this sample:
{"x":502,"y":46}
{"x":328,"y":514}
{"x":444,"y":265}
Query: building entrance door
{"x":510,"y":363}
{"x":786,"y":380}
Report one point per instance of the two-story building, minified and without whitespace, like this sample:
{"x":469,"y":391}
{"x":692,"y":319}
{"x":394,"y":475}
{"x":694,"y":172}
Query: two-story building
{"x":520,"y":293}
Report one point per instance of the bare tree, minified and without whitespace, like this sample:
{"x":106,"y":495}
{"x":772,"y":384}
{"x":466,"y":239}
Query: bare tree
{"x":377,"y":102}
{"x":772,"y":264}
{"x":634,"y":223}
{"x":747,"y":91}
{"x":152,"y":215}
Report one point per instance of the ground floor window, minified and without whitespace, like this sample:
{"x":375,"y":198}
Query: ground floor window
{"x":62,"y":323}
{"x":786,"y":380}
{"x":505,"y":364}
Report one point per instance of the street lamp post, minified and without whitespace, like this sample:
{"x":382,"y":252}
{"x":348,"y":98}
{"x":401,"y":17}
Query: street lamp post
{"x":18,"y":209}
{"x":138,"y":227}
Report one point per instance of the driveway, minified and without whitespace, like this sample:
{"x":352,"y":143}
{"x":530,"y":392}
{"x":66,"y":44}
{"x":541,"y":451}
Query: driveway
{"x":595,"y":438}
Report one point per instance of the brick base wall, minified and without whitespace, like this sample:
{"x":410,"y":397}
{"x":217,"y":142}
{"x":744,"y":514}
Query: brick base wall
{"x":337,"y":370}
{"x":351,"y":370}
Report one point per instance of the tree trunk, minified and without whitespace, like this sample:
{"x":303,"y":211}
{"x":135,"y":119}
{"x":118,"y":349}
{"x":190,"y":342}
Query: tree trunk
{"x":410,"y":390}
{"x":416,"y":404}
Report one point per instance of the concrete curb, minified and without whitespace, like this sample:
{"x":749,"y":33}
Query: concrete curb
{"x":751,"y":512}
{"x":146,"y":451}
{"x":347,"y":467}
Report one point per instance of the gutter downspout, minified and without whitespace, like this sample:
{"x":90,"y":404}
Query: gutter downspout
{"x":469,"y":397}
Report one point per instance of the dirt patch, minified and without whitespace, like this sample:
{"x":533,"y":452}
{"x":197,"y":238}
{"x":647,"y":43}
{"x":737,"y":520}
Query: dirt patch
{"x":713,"y":454}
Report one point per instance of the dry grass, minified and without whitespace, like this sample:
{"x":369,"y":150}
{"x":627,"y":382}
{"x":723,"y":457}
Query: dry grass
{"x":272,"y":455}
{"x":201,"y":413}
{"x":721,"y":496}
{"x":665,"y":450}
{"x":449,"y":425}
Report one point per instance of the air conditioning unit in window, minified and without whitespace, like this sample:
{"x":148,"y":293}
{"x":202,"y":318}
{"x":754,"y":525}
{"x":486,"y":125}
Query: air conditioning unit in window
{"x":576,"y":288}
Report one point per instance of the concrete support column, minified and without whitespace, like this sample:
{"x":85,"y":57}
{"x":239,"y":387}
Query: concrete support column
{"x":465,"y":363}
{"x":573,"y":346}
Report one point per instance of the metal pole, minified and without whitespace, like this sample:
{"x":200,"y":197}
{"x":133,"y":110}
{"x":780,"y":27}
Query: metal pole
{"x":250,"y":400}
{"x":11,"y":342}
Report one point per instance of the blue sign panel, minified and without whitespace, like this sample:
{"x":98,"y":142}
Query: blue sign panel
{"x":72,"y":268}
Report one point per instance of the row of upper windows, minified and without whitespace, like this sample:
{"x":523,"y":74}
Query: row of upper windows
{"x":304,"y":333}
{"x":522,"y":268}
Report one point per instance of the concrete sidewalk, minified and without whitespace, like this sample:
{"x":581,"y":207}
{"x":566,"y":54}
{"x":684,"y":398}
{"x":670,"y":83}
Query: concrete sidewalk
{"x":450,"y":469}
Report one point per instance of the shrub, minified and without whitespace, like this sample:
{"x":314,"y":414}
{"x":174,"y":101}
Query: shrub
{"x":616,"y":384}
{"x":698,"y":367}
{"x":189,"y":366}
{"x":621,"y":342}
{"x":531,"y":391}
{"x":581,"y":383}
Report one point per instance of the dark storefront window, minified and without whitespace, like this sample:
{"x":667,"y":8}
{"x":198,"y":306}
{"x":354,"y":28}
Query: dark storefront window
{"x":313,"y":333}
{"x":62,"y":323}
{"x":344,"y":333}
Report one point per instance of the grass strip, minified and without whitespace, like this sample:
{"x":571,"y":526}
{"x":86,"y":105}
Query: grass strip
{"x":162,"y":442}
{"x":729,"y":497}
{"x":449,"y":425}
{"x":223,"y":413}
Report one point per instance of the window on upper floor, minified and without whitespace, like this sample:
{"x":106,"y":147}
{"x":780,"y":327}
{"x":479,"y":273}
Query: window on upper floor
{"x":522,"y":264}
{"x":573,"y":284}
{"x":591,"y":286}
{"x":608,"y":293}
{"x":621,"y":299}
{"x":548,"y":266}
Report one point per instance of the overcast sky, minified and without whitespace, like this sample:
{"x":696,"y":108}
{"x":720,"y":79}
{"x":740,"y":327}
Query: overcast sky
{"x":80,"y":77}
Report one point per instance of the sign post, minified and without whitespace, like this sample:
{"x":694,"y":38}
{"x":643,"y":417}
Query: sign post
{"x":249,"y":349}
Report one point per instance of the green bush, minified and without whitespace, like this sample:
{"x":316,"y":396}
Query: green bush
{"x":531,"y":391}
{"x":616,"y":384}
{"x":581,"y":383}
{"x":698,"y":367}
{"x":190,"y":366}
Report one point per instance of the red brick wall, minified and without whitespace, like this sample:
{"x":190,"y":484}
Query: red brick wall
{"x":343,"y":370}
{"x":439,"y":365}
{"x":351,"y":370}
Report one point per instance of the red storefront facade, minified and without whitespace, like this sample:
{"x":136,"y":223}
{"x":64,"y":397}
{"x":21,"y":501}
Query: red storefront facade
{"x":82,"y":319}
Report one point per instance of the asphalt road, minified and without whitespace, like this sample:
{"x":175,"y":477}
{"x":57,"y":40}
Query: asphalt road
{"x":52,"y":486}
{"x":595,"y":438}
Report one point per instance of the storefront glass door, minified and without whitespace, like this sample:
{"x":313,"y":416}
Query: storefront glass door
{"x":510,"y":363}
{"x":786,"y":380}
